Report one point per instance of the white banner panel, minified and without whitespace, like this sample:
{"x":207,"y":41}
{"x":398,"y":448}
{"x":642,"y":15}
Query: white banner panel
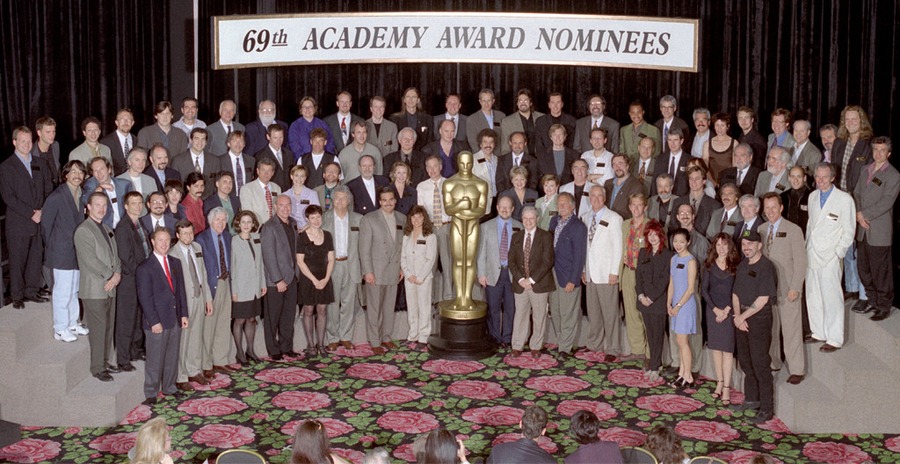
{"x":449,"y":37}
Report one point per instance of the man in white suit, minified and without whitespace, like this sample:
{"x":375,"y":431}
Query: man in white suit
{"x":829,"y":233}
{"x":601,"y":273}
{"x":259,"y":196}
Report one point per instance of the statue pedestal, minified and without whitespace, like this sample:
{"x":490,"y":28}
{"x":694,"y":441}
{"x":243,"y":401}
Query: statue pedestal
{"x":462,"y":334}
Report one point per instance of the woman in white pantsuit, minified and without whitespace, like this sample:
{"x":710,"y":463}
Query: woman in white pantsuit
{"x":417,"y":260}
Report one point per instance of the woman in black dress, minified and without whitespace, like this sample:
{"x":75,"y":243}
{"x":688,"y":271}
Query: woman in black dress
{"x":717,"y":278}
{"x":405,"y":193}
{"x":651,"y":285}
{"x":315,"y":258}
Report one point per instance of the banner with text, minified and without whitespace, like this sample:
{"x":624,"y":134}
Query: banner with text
{"x":437,"y":37}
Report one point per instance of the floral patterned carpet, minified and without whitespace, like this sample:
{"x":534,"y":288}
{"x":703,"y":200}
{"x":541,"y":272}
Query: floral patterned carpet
{"x":367,"y":401}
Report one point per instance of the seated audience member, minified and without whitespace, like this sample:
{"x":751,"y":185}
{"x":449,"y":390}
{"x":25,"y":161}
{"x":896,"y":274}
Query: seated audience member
{"x":378,"y":455}
{"x":584,"y":427}
{"x":666,"y":446}
{"x":441,"y":447}
{"x":525,"y":449}
{"x":153,"y":443}
{"x":311,"y":445}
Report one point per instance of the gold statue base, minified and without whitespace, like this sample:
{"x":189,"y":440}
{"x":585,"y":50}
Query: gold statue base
{"x":451,"y":310}
{"x":462,"y":333}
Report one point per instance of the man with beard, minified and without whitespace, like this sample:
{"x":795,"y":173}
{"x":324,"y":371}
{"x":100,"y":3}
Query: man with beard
{"x":596,"y":120}
{"x":159,"y":169}
{"x":257,"y":130}
{"x":775,"y":177}
{"x":523,"y":120}
{"x":743,"y":174}
{"x":702,"y":204}
{"x":621,"y":187}
{"x":661,"y":205}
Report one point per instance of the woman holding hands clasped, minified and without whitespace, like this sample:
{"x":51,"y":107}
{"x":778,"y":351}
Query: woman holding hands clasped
{"x":717,"y":280}
{"x":681,"y":304}
{"x":417,"y":258}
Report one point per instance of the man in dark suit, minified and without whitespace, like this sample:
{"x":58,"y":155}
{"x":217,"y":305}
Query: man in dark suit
{"x":596,"y":119}
{"x":220,"y":129}
{"x":255,"y":138}
{"x":47,"y":147}
{"x":24,"y":184}
{"x":531,"y":266}
{"x":548,"y":163}
{"x":702,"y":204}
{"x":413,"y":117}
{"x":278,"y":238}
{"x":642,"y":169}
{"x":569,"y":254}
{"x":215,"y":242}
{"x":750,"y":218}
{"x":743,"y":174}
{"x":675,"y":164}
{"x":120,"y":141}
{"x":446,"y":147}
{"x":341,"y":122}
{"x":280,"y":155}
{"x":621,"y":187}
{"x":796,"y":200}
{"x":453,"y":104}
{"x":517,"y":156}
{"x":223,"y":197}
{"x":365,"y":188}
{"x":485,"y":118}
{"x":543,"y":126}
{"x":525,"y":449}
{"x":134,"y":247}
{"x":157,"y":215}
{"x":725,"y":218}
{"x":316,"y":160}
{"x":197,"y":159}
{"x":409,"y":155}
{"x":159,"y":169}
{"x":241,"y":165}
{"x":160,"y":289}
{"x":668,"y":105}
{"x":746,"y":118}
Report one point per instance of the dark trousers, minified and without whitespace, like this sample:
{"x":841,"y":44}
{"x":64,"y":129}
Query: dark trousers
{"x":876,"y":274}
{"x":501,"y":308}
{"x":753,"y":356}
{"x":129,"y":334}
{"x":656,"y":336}
{"x":26,"y":255}
{"x":100,"y":315}
{"x":161,"y":368}
{"x":278,"y":323}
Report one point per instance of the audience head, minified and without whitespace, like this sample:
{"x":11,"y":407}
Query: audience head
{"x":377,"y":456}
{"x":584,"y":427}
{"x":441,"y":447}
{"x":311,"y":444}
{"x":153,"y":442}
{"x":665,"y":445}
{"x":534,"y":422}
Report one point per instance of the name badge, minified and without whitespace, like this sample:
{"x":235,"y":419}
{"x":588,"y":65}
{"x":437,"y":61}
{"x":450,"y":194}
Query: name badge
{"x":832,"y":216}
{"x":804,"y":207}
{"x":423,"y":129}
{"x":399,"y":227}
{"x":780,"y":234}
{"x":679,"y":266}
{"x":779,"y":187}
{"x":752,"y":274}
{"x":554,"y":213}
{"x":642,"y":135}
{"x":482,"y":160}
{"x":420,"y":242}
{"x":601,"y":165}
{"x":876,"y":181}
{"x":35,"y":168}
{"x":198,"y":254}
{"x":516,"y":229}
{"x":388,"y":143}
{"x":110,"y":234}
{"x":603,"y":223}
{"x":529,"y":200}
{"x":354,"y":228}
{"x":861,"y":158}
{"x":304,"y":202}
{"x":585,"y":194}
{"x":114,"y":200}
{"x":496,"y":124}
{"x":645,"y":260}
{"x":683,"y":168}
{"x":256,"y":241}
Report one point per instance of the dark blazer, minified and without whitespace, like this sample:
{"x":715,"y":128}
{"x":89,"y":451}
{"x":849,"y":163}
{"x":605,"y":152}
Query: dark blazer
{"x":416,"y":161}
{"x":680,"y":187}
{"x":362,"y":203}
{"x":279,"y":252}
{"x":255,"y":136}
{"x":314,"y":176}
{"x":531,"y":197}
{"x":540,"y":262}
{"x":410,"y":198}
{"x":23,"y":194}
{"x":247,"y":162}
{"x":423,"y":126}
{"x":704,"y":211}
{"x":649,"y":181}
{"x":460,"y":129}
{"x":543,"y":144}
{"x":652,"y":279}
{"x":122,"y":187}
{"x":799,"y":213}
{"x":546,"y":164}
{"x":213,"y":201}
{"x":522,"y":450}
{"x":748,"y":186}
{"x":119,"y":161}
{"x":505,"y":163}
{"x":146,"y":222}
{"x":59,"y":218}
{"x":739,"y":228}
{"x":282,"y":176}
{"x":159,"y":304}
{"x":583,"y":134}
{"x":434,"y":148}
{"x":131,"y":250}
{"x":169,"y":172}
{"x":211,"y":259}
{"x":606,"y":452}
{"x":758,"y":143}
{"x":620,"y":205}
{"x":53,"y":160}
{"x":653,"y":211}
{"x":859,"y":158}
{"x":570,"y":251}
{"x":184,"y":164}
{"x":335,"y":126}
{"x":676,"y":123}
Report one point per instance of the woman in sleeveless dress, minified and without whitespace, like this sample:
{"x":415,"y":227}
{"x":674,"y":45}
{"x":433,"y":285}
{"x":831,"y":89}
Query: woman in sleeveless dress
{"x":681,"y":304}
{"x":718,"y":150}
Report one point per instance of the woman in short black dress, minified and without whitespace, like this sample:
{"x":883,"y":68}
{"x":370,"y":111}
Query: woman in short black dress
{"x":717,"y":278}
{"x":315,"y":258}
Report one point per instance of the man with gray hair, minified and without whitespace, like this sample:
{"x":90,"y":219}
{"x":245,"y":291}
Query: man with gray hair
{"x":701,"y":123}
{"x":743,"y":174}
{"x":220,"y":129}
{"x":343,"y":225}
{"x":215,"y":243}
{"x":668,"y":105}
{"x":407,"y":153}
{"x":775,"y":177}
{"x":804,"y":153}
{"x":750,"y":219}
{"x":485,"y":118}
{"x":256,"y":132}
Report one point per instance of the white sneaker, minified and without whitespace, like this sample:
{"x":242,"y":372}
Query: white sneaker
{"x":65,"y":336}
{"x":79,"y":330}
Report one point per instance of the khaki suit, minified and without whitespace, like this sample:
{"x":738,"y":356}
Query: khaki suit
{"x":191,"y":358}
{"x":381,"y":257}
{"x":345,"y":278}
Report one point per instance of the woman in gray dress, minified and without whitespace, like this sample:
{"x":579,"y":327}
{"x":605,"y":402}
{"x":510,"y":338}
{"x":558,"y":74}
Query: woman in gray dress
{"x":248,"y":283}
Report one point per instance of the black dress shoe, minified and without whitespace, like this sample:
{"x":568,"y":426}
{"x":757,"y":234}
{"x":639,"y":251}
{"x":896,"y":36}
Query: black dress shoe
{"x":881,"y":314}
{"x":762,"y":416}
{"x":103,"y":376}
{"x":127,"y":367}
{"x":36,"y":299}
{"x":141,"y":356}
{"x":745,"y":406}
{"x":851,"y":295}
{"x":113,"y":369}
{"x":150,"y":401}
{"x":861,"y":306}
{"x":45,"y":292}
{"x":18,"y":304}
{"x":277,"y":357}
{"x":810,"y":339}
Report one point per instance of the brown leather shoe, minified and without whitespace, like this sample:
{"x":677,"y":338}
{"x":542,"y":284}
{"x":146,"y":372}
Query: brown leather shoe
{"x":199,"y":379}
{"x":184,"y":386}
{"x":209,"y":374}
{"x":347,"y":344}
{"x":535,"y":354}
{"x":828,"y":348}
{"x":224,"y":369}
{"x":379,"y":350}
{"x":515,"y":353}
{"x":331,"y":346}
{"x":795,"y":379}
{"x":608,"y":358}
{"x":389,"y":345}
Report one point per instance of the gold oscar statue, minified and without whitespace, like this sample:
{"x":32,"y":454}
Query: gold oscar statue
{"x":465,"y":200}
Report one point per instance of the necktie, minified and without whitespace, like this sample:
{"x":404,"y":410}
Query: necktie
{"x":238,"y":174}
{"x":770,"y":237}
{"x":127,"y":148}
{"x":159,"y":223}
{"x":724,"y":221}
{"x":643,"y":170}
{"x":436,"y":216}
{"x":278,"y":158}
{"x":268,"y":199}
{"x":197,"y":165}
{"x":672,"y":167}
{"x":327,"y":198}
{"x":694,"y":204}
{"x":504,"y":245}
{"x":223,"y":267}
{"x":593,"y":229}
{"x":665,"y":135}
{"x":344,"y":128}
{"x":143,"y":234}
{"x":454,"y":126}
{"x":596,"y":124}
{"x":168,"y":274}
{"x":195,"y":276}
{"x":228,"y":127}
{"x":740,"y":179}
{"x":527,"y":254}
